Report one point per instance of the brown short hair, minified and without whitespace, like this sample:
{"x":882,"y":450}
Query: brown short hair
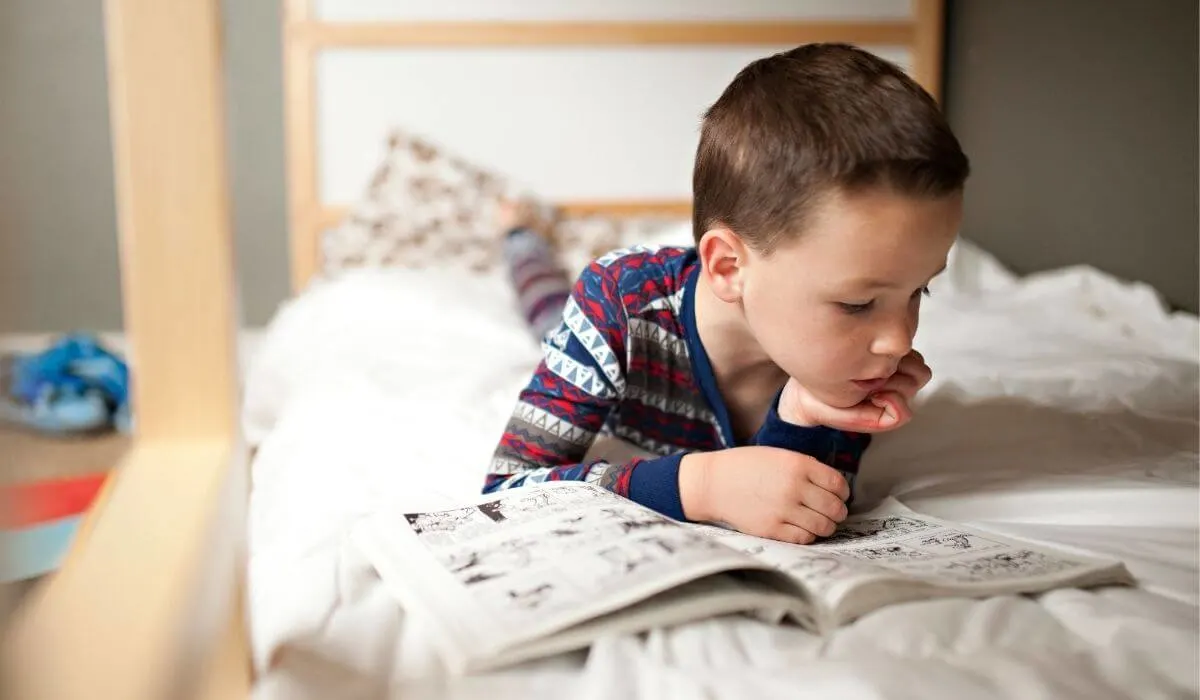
{"x":793,"y":126}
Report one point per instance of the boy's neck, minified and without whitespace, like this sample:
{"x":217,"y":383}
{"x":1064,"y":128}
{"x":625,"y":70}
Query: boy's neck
{"x":735,"y":355}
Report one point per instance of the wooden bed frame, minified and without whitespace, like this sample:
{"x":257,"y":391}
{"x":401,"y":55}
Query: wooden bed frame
{"x":150,"y":602}
{"x":304,"y":37}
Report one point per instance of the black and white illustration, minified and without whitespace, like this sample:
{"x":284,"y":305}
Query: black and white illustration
{"x":494,"y":510}
{"x":476,"y":565}
{"x":890,"y":552}
{"x":625,"y":521}
{"x":438,"y":526}
{"x":875,"y":528}
{"x":1012,"y":564}
{"x":569,"y":526}
{"x":518,"y":506}
{"x":819,"y":573}
{"x":627,"y":559}
{"x":811,"y":567}
{"x":531,"y":598}
{"x":518,"y":542}
{"x":654,"y":550}
{"x":952,"y":542}
{"x":534,"y":503}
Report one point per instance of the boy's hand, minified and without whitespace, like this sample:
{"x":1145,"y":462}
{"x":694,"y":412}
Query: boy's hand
{"x":764,"y":491}
{"x":884,"y":410}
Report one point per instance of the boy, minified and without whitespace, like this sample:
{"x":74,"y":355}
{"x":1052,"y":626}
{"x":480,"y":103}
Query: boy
{"x":827,"y":193}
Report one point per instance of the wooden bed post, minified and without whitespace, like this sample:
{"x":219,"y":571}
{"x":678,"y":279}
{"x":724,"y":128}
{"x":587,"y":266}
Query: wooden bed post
{"x":928,"y":31}
{"x":300,"y":119}
{"x":148,"y":604}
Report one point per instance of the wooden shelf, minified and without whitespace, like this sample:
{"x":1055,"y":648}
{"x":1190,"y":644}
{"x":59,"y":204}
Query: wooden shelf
{"x":27,"y":456}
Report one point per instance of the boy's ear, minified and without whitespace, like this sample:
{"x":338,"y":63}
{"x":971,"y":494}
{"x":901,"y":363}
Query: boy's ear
{"x":723,"y":258}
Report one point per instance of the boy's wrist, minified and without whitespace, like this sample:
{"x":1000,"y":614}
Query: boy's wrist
{"x":694,"y":470}
{"x":790,"y":410}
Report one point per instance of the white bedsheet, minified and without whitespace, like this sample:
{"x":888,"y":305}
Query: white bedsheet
{"x":1064,"y":409}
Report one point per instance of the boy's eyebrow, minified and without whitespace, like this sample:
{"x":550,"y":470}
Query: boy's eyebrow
{"x":869,"y":283}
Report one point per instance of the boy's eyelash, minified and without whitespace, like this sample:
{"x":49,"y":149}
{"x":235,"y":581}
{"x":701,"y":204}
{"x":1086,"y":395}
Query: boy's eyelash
{"x":853,"y":309}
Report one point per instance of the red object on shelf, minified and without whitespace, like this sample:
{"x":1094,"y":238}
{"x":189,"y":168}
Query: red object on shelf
{"x":37,"y":502}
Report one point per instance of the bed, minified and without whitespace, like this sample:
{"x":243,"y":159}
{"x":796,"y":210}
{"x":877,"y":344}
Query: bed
{"x":1079,"y":429}
{"x":1063,"y":410}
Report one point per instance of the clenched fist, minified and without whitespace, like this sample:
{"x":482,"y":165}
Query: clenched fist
{"x":764,"y":491}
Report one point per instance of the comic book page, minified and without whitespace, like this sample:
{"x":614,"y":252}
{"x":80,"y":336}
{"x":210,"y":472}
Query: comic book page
{"x":529,"y":562}
{"x":892,"y":543}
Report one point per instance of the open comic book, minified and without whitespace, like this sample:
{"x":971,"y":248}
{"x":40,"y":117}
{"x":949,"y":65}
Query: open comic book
{"x":536,"y":571}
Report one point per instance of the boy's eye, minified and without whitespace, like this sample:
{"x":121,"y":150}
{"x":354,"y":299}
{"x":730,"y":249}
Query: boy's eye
{"x":923,"y":291}
{"x":853,"y":309}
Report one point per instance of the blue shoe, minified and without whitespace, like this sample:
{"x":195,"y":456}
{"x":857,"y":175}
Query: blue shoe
{"x":53,"y":409}
{"x":73,"y":386}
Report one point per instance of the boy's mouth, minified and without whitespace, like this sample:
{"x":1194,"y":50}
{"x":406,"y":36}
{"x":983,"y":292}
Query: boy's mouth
{"x":870,"y":385}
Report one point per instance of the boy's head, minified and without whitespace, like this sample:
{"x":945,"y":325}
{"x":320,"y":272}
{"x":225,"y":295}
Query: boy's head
{"x":819,"y":171}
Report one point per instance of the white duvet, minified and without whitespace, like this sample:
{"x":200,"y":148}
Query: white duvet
{"x":1063,"y":409}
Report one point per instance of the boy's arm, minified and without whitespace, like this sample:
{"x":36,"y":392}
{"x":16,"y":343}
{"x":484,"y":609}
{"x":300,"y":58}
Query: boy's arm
{"x":576,"y":386}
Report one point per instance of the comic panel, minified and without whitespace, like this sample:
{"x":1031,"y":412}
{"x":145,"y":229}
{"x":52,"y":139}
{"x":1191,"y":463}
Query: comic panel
{"x":874,"y":528}
{"x":529,"y":597}
{"x":952,"y":542}
{"x":447,"y":526}
{"x":888,"y":553}
{"x":1007,"y":565}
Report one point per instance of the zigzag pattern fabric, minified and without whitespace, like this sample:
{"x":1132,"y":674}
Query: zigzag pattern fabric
{"x":622,"y":361}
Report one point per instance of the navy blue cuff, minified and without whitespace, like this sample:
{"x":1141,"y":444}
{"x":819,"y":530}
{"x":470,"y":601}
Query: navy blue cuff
{"x":817,"y":442}
{"x":655,"y":484}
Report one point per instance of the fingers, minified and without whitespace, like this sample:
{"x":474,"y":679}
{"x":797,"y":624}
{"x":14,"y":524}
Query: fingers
{"x":904,"y":384}
{"x":912,"y":360}
{"x":804,"y":525}
{"x":787,"y":532}
{"x":825,"y":504}
{"x":880,"y":412}
{"x":890,"y":410}
{"x":826,"y":486}
{"x":822,"y":506}
{"x":911,"y":375}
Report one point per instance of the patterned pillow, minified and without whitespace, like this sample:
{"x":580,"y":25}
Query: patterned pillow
{"x":425,"y":207}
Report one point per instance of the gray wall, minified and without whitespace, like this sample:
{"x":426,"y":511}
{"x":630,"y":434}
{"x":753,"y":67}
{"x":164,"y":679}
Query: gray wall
{"x":58,"y":241}
{"x":58,"y":246}
{"x":1080,"y":117}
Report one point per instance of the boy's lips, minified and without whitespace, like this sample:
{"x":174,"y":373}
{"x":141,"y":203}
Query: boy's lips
{"x":871,"y":384}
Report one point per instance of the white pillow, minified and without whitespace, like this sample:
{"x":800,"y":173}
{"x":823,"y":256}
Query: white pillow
{"x":440,"y":328}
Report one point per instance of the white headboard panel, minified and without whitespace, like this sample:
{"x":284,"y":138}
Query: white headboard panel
{"x":607,"y":10}
{"x":593,"y":104}
{"x":575,"y":124}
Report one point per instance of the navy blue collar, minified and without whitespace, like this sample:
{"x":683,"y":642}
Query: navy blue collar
{"x":701,"y":367}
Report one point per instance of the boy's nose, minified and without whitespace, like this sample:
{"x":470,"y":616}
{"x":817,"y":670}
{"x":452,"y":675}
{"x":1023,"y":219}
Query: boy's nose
{"x":894,"y":340}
